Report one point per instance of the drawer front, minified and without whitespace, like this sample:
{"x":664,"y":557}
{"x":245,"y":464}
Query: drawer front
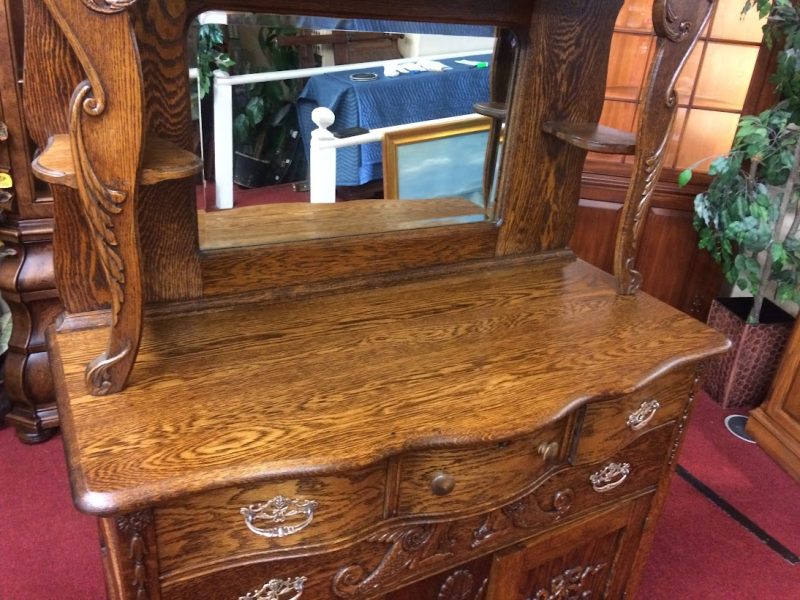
{"x":232,"y":523}
{"x":405,"y":552}
{"x":466,"y":479}
{"x":612,"y":424}
{"x":577,"y":489}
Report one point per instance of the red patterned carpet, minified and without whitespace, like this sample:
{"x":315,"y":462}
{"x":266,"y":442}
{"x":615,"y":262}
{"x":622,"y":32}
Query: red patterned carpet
{"x":48,"y":551}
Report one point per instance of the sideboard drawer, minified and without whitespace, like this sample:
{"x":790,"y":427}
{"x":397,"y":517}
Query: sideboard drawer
{"x":231,"y":523}
{"x":611,"y":424}
{"x":465,"y":479}
{"x":576,"y":489}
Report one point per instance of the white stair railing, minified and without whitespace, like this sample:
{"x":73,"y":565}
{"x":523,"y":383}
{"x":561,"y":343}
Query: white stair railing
{"x":223,"y":109}
{"x":322,"y":165}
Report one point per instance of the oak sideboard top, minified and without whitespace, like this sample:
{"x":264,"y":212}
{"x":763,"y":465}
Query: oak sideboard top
{"x":326,"y":383}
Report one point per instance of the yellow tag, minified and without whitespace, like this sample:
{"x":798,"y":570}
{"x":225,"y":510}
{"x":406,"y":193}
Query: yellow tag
{"x":6,"y":181}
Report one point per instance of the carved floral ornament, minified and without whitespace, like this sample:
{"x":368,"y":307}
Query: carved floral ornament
{"x":460,"y":585}
{"x":133,"y":525}
{"x":278,"y":589}
{"x":109,"y":6}
{"x":669,"y":24}
{"x":569,"y":585}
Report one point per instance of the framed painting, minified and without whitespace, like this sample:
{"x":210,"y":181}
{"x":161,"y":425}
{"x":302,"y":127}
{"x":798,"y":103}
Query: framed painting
{"x":437,"y":161}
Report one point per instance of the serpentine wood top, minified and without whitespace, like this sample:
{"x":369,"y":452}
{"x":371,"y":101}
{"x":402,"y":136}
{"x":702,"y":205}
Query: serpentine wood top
{"x":326,"y":383}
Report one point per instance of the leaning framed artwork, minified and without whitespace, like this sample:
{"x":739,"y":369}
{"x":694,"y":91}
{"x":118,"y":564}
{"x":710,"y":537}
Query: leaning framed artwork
{"x":437,"y":160}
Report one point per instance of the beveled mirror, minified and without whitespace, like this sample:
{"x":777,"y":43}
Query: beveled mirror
{"x":317,"y":128}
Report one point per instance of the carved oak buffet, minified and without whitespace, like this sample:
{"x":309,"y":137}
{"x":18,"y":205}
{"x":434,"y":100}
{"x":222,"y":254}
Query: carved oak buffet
{"x":453,"y":413}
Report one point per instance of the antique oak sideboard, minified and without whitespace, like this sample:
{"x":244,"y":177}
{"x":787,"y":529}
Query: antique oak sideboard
{"x":457,"y":412}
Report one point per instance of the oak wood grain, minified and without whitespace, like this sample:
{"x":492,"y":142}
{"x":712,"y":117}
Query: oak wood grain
{"x":540,"y":179}
{"x":488,"y":343}
{"x":298,"y":221}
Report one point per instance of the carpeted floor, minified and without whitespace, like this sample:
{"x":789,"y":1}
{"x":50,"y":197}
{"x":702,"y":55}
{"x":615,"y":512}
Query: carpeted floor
{"x":48,"y":551}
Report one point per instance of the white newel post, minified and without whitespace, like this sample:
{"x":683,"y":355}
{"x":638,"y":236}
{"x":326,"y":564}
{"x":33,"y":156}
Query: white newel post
{"x":322,"y":176}
{"x":223,"y":140}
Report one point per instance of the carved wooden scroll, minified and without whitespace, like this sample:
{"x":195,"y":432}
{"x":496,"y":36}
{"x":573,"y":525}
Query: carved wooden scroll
{"x":106,"y":135}
{"x":678,"y":24}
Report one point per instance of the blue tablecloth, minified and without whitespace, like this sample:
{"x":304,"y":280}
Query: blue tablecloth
{"x":388,"y":101}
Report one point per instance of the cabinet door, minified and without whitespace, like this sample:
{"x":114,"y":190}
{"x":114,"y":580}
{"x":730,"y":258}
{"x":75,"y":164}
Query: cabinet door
{"x":588,"y":559}
{"x":465,"y":582}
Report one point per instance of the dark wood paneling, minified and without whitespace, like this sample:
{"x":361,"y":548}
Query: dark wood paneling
{"x":595,"y":231}
{"x":673,"y":268}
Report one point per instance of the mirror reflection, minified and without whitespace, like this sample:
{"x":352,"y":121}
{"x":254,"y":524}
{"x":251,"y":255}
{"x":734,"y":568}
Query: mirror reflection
{"x":316,"y":127}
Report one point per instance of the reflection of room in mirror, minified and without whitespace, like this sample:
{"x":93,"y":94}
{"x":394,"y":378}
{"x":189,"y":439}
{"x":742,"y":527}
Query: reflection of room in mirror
{"x":258,"y":78}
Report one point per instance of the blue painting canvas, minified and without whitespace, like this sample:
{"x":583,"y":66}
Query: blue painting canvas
{"x":449,"y":167}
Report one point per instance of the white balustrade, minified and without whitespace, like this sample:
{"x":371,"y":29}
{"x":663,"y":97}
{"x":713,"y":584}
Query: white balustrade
{"x":223,"y":119}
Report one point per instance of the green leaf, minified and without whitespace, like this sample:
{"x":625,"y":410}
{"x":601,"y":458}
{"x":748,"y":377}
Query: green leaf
{"x":778,"y":253}
{"x":255,"y":110}
{"x":685,"y":177}
{"x":241,"y":129}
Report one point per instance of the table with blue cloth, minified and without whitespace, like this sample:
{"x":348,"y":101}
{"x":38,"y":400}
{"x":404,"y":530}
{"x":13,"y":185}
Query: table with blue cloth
{"x":387,"y":101}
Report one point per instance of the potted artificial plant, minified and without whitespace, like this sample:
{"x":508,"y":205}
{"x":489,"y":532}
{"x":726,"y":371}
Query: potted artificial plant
{"x":266,"y":135}
{"x":748,"y":220}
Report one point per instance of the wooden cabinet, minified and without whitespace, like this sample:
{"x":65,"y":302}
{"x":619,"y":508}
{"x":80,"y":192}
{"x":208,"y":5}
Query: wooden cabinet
{"x":459,"y":412}
{"x":776,"y":424}
{"x":27,"y":276}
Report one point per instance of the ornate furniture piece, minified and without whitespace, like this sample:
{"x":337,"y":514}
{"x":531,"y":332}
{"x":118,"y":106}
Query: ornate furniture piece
{"x":775,"y":425}
{"x":399,"y":414}
{"x":27,"y":280}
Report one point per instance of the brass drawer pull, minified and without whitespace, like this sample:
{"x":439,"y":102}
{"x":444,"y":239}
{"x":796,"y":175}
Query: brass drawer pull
{"x":442,"y":483}
{"x":642,"y":415}
{"x":610,"y":476}
{"x":278,"y":511}
{"x":548,"y":450}
{"x":278,"y":589}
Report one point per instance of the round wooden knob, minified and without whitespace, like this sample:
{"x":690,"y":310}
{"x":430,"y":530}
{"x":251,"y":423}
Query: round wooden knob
{"x":548,"y":451}
{"x":442,"y":484}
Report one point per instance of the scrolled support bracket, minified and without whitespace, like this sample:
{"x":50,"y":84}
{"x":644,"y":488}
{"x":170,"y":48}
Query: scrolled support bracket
{"x":678,"y":24}
{"x":106,"y":132}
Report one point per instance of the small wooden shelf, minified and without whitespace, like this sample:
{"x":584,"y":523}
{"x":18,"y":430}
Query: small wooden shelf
{"x":493,"y":110}
{"x":162,"y":161}
{"x":593,"y":137}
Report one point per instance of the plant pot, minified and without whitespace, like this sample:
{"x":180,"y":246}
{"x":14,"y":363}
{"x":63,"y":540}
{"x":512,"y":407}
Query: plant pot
{"x":741,"y":378}
{"x":250,"y":172}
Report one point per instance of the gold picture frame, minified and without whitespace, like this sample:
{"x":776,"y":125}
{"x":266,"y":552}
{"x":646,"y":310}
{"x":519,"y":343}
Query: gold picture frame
{"x":394,"y":141}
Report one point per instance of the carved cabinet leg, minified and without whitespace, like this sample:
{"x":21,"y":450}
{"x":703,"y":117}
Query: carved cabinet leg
{"x":27,"y":285}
